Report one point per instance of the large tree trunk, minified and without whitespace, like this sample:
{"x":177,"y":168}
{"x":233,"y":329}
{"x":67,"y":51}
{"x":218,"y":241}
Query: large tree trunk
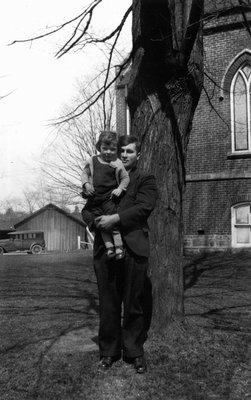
{"x":163,"y":95}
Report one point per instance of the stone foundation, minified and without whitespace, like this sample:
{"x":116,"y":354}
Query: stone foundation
{"x":198,"y":243}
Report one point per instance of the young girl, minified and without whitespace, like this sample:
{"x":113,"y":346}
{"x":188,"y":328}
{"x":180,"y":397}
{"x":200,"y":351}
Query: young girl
{"x":104,"y":179}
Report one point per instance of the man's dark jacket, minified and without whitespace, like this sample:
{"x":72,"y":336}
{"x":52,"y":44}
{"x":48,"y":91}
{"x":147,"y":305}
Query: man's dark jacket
{"x":134,"y":210}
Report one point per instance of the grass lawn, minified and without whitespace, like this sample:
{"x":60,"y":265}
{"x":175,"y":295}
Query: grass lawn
{"x":49,"y":320}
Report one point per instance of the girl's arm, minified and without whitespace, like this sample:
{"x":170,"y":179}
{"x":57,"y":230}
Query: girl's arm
{"x":88,"y":189}
{"x":124,"y":178}
{"x":86,"y":173}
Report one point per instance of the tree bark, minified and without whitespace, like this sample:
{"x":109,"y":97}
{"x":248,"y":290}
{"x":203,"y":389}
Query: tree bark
{"x":164,"y":89}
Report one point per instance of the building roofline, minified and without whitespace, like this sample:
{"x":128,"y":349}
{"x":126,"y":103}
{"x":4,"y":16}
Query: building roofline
{"x":26,"y":231}
{"x":50,"y":206}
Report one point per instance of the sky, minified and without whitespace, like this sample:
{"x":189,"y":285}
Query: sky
{"x":34,"y":84}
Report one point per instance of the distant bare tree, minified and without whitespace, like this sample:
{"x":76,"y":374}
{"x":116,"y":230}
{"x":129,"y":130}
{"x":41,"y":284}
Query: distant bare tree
{"x":15,"y":203}
{"x":30,"y":201}
{"x":43,"y":194}
{"x":75,"y":140}
{"x":35,"y":197}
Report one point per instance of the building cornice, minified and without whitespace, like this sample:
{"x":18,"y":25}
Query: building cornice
{"x":225,"y":27}
{"x":219,"y":176}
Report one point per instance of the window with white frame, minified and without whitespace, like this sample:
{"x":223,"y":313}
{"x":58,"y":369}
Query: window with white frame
{"x":241,"y":225}
{"x":240,"y":109}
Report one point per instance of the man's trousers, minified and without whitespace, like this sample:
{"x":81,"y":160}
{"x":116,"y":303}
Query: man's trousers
{"x":125,"y":305}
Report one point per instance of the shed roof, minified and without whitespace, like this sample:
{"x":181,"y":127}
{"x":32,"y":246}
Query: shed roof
{"x":50,"y":206}
{"x":25,"y":231}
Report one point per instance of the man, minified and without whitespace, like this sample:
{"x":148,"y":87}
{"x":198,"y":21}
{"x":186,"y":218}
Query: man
{"x":125,"y":282}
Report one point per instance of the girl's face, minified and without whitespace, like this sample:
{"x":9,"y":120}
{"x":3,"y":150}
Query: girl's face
{"x":108,"y":152}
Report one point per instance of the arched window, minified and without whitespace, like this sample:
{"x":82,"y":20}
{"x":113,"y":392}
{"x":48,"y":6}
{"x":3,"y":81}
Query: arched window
{"x":240,"y":93}
{"x":241,"y":225}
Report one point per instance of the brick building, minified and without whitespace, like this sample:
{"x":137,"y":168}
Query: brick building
{"x":217,"y":205}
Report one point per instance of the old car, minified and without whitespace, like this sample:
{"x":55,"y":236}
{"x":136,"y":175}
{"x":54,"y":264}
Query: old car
{"x":25,"y":241}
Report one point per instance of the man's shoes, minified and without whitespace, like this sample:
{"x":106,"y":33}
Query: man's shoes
{"x":104,"y":364}
{"x":140,"y":365}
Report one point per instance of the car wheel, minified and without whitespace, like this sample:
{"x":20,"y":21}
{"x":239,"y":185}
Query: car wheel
{"x":1,"y":251}
{"x":36,"y":249}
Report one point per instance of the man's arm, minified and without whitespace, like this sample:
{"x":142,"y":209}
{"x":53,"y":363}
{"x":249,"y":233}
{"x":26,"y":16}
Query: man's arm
{"x":131,"y":217}
{"x":144,"y":203}
{"x":107,"y":222}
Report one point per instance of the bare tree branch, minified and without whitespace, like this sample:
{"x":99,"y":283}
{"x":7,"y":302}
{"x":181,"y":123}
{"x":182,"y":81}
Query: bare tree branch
{"x":213,"y":108}
{"x":65,"y":49}
{"x":94,"y":97}
{"x":244,"y":5}
{"x":75,"y":142}
{"x":81,"y":16}
{"x":92,"y":40}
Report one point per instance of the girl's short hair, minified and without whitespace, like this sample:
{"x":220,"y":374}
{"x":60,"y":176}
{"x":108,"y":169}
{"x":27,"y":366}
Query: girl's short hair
{"x":107,"y":137}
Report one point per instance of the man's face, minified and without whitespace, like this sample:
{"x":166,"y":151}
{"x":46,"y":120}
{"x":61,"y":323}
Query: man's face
{"x":129,"y":156}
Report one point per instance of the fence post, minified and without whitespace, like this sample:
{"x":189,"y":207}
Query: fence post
{"x":90,"y":234}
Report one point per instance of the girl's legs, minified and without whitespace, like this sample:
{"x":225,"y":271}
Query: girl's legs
{"x":109,"y":244}
{"x":118,"y":244}
{"x":109,"y":207}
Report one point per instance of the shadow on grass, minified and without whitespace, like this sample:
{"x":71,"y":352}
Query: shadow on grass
{"x":193,"y":364}
{"x":213,"y":262}
{"x":217,"y":291}
{"x":49,"y":326}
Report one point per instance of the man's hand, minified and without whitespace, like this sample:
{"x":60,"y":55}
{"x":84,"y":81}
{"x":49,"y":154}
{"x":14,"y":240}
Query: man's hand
{"x":89,"y":189}
{"x":116,"y":192}
{"x":107,"y":222}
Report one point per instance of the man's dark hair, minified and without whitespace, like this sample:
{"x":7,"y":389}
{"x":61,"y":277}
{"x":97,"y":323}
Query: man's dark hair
{"x":128,"y":139}
{"x":107,"y":137}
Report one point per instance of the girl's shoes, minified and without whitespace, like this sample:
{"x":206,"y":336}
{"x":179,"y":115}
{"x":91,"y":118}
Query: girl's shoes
{"x":110,"y":253}
{"x":119,"y":253}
